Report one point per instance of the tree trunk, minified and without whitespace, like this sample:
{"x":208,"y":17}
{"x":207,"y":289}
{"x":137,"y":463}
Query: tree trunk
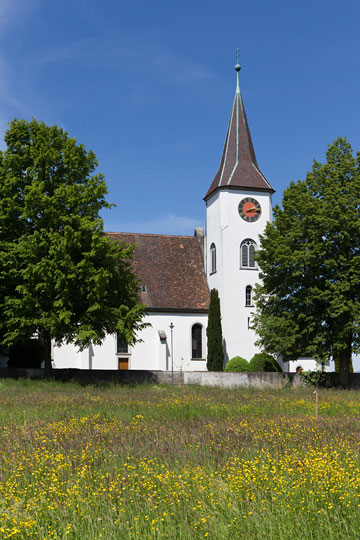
{"x":47,"y":349}
{"x":344,"y":363}
{"x":337,"y":360}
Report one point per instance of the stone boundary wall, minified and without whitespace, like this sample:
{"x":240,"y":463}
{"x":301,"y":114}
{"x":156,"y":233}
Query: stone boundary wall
{"x":95,"y":376}
{"x":202,"y":378}
{"x":242,"y":380}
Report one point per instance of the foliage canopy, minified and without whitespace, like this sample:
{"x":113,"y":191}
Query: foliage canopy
{"x":60,"y":276}
{"x":309,"y":299}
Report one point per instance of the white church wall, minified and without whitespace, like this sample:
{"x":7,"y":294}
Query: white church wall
{"x":227,"y":230}
{"x":151,"y":353}
{"x":306,"y":363}
{"x":66,"y":356}
{"x":356,"y":363}
{"x":94,"y":357}
{"x":154,"y":353}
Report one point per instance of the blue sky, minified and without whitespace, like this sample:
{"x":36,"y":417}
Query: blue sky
{"x":149,"y":87}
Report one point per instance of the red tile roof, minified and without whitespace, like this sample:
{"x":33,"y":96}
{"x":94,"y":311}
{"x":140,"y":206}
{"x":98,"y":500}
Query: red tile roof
{"x":238,"y":167}
{"x":172,"y":270}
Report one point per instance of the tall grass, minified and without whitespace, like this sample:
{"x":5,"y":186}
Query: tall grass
{"x":155,"y":462}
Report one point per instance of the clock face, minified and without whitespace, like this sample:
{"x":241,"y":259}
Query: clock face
{"x":249,"y":209}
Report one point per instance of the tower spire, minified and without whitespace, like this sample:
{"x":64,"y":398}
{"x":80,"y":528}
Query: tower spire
{"x":238,"y":166}
{"x":237,"y":69}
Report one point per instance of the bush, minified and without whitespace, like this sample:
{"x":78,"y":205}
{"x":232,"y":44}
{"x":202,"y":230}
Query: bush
{"x":314,"y":378}
{"x":263,"y":362}
{"x":237,"y":364}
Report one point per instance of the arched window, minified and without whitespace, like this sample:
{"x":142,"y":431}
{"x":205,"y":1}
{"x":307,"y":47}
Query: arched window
{"x":247,"y":251}
{"x":121,"y":344}
{"x":212,"y":258}
{"x":248,"y":296}
{"x":196,"y":341}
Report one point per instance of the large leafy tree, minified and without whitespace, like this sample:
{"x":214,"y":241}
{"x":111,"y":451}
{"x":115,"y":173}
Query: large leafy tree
{"x":309,"y":299}
{"x":215,"y":356}
{"x":60,"y":276}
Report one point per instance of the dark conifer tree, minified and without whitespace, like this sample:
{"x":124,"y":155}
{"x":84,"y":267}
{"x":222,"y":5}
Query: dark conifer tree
{"x":215,"y":358}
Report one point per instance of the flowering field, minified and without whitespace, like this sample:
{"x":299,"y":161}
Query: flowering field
{"x":155,"y":462}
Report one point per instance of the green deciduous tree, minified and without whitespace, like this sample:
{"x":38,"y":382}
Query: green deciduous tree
{"x":215,"y":357}
{"x":60,"y":276}
{"x":309,"y":299}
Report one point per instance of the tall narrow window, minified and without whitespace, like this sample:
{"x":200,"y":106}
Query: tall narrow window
{"x":248,"y":296}
{"x":251,"y":256}
{"x":121,"y":345}
{"x":247,"y":252}
{"x":213,"y":258}
{"x":244,"y":256}
{"x":196,"y":340}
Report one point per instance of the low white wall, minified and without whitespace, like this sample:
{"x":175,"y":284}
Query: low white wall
{"x":232,"y":380}
{"x":3,"y":361}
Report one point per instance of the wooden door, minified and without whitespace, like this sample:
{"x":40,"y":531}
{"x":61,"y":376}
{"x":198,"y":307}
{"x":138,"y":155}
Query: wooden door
{"x":123,"y":363}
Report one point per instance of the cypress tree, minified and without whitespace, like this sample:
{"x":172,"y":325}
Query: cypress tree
{"x":215,"y":358}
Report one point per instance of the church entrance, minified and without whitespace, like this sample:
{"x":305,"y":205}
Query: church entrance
{"x":123,"y":363}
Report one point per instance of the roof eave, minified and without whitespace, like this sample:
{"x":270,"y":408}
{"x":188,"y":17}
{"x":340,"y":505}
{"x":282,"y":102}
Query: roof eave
{"x":237,"y":188}
{"x":176,"y":310}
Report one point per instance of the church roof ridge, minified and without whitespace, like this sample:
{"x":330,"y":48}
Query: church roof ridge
{"x":151,"y":234}
{"x":238,"y":166}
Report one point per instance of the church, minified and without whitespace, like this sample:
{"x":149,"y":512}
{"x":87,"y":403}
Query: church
{"x":176,"y":273}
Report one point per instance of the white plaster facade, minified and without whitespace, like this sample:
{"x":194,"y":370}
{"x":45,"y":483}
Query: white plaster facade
{"x":153,"y":352}
{"x":306,"y":363}
{"x":227,"y":230}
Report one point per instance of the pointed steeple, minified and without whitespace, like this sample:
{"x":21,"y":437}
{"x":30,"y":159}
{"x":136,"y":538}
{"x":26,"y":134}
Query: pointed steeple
{"x":238,"y":167}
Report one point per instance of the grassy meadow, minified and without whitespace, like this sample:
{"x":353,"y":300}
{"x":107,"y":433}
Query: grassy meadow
{"x":152,"y":462}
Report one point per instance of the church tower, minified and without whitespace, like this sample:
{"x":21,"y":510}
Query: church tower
{"x":238,"y":206}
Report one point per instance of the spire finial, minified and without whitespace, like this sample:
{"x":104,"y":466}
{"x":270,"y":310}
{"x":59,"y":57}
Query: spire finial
{"x":237,"y":69}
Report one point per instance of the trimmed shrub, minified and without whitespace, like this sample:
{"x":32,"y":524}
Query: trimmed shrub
{"x":263,"y":362}
{"x":237,"y":364}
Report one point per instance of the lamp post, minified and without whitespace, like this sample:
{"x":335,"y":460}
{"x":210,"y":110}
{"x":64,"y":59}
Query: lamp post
{"x":172,"y":352}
